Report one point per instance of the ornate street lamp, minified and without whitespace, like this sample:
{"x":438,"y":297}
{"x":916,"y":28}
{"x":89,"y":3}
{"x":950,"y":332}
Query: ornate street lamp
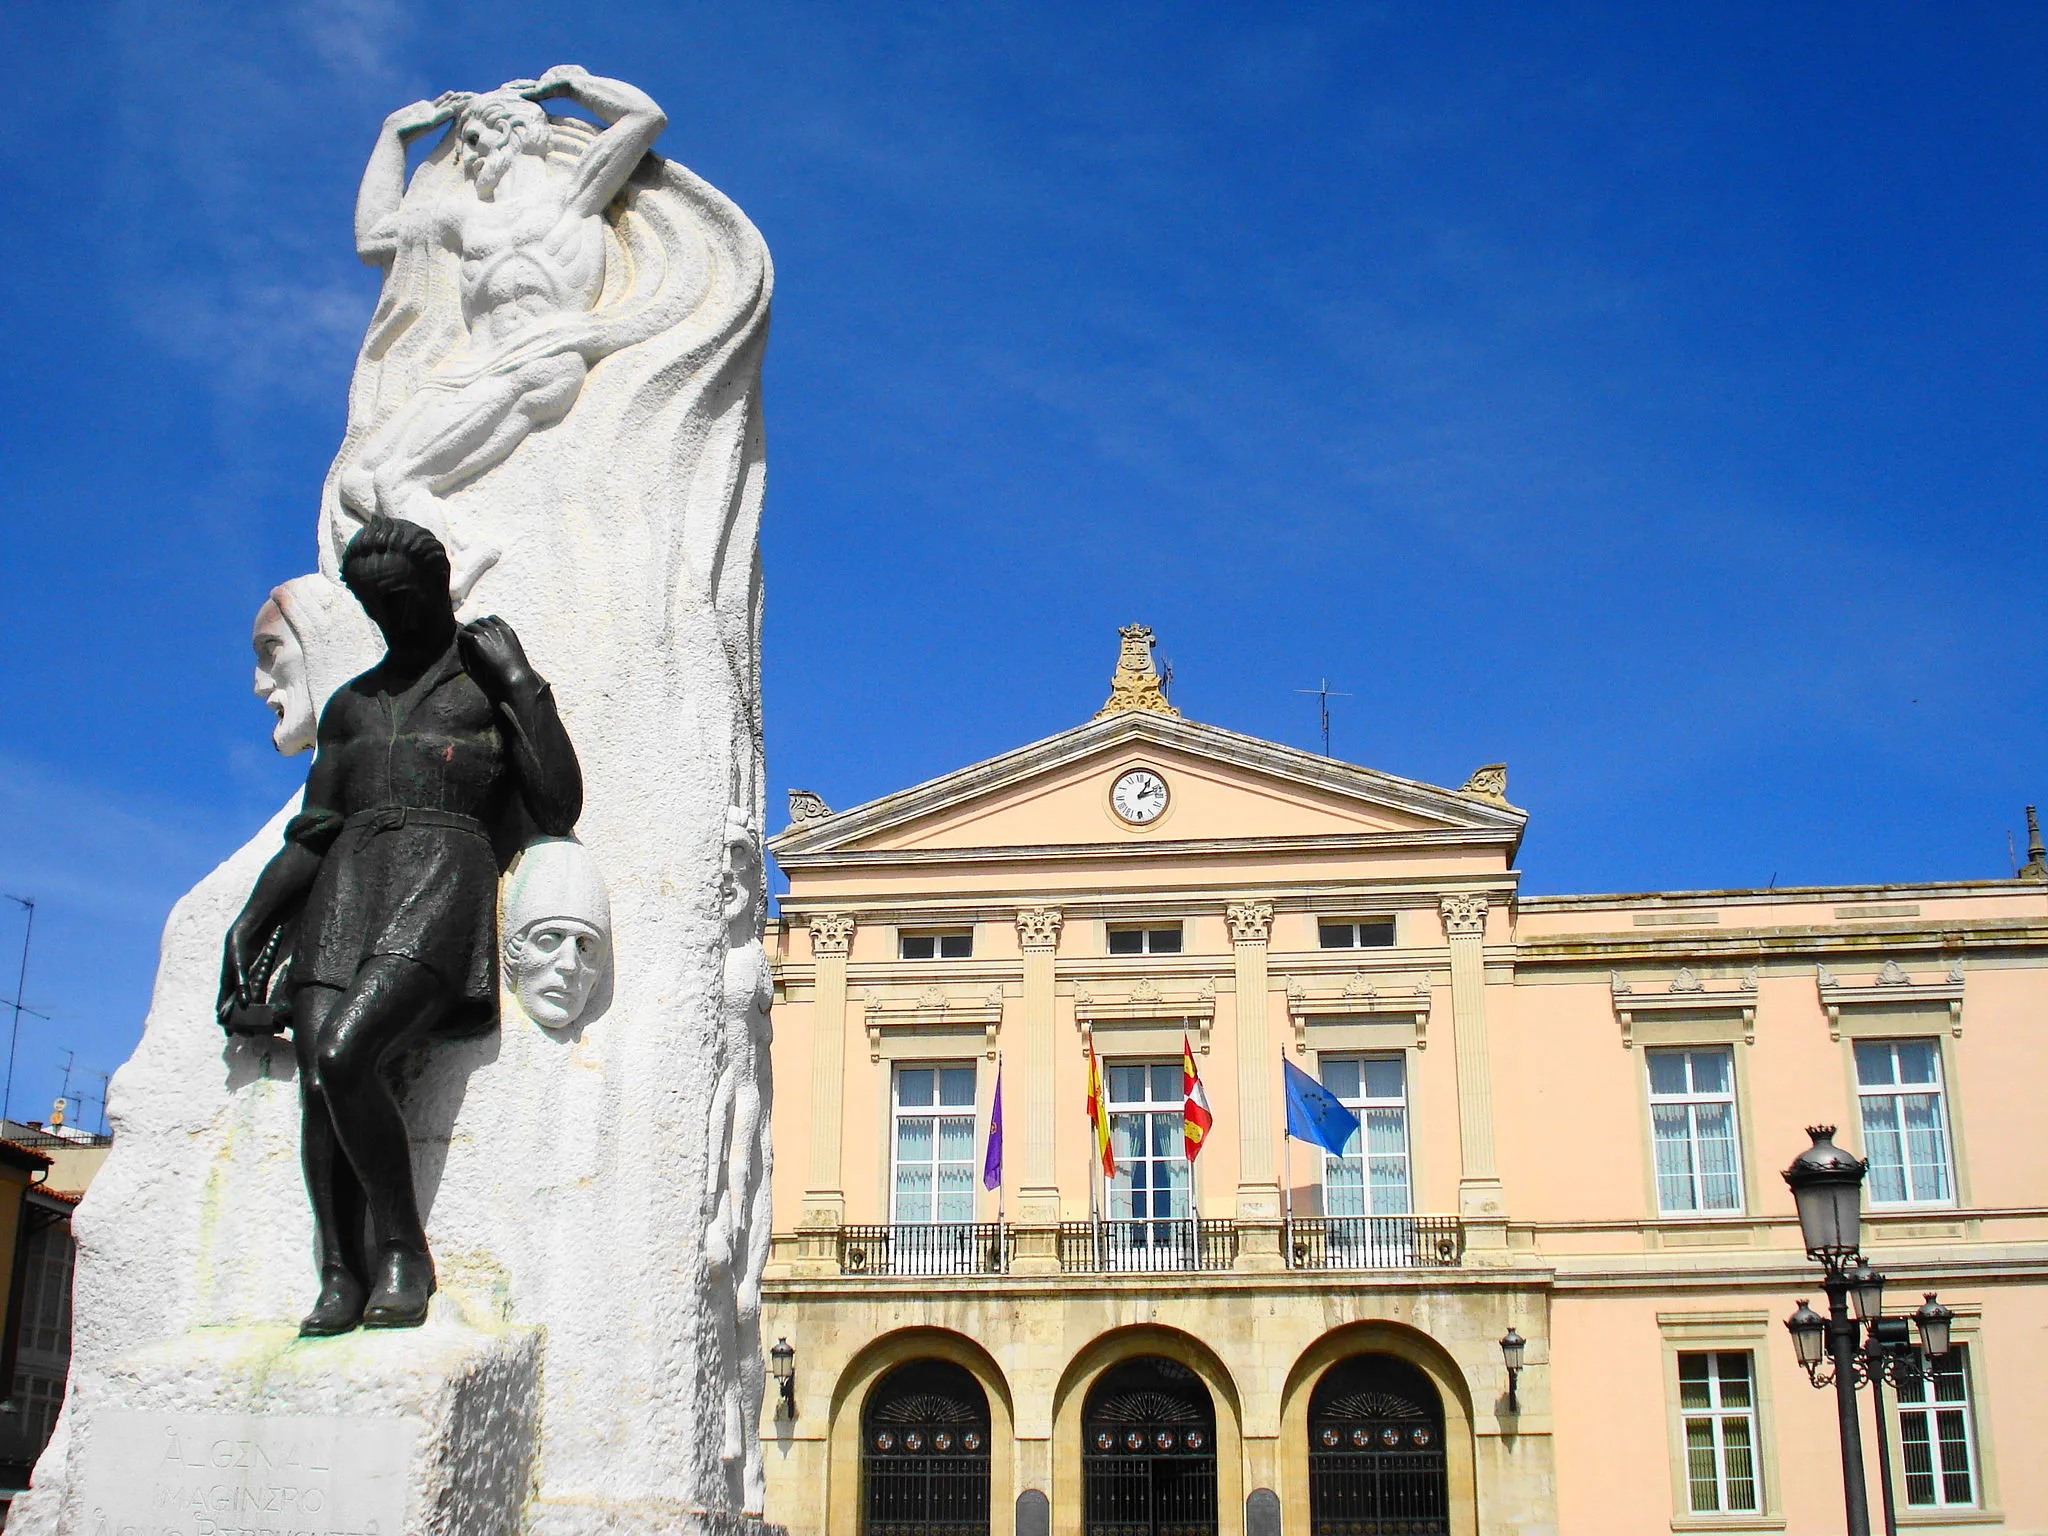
{"x":1827,"y":1186}
{"x":1512,"y":1345}
{"x":782,"y":1366}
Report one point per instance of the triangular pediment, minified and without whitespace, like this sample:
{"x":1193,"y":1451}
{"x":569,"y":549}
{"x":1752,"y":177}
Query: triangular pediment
{"x":1222,"y":787}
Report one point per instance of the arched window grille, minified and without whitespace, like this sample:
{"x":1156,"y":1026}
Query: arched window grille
{"x":925,"y":1453}
{"x":1376,"y":1451}
{"x":1148,"y":1452}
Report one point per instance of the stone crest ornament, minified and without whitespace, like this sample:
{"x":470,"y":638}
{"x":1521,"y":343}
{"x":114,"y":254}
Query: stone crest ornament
{"x":560,"y":386}
{"x":1136,"y":683}
{"x":557,"y":930}
{"x":1489,"y":783}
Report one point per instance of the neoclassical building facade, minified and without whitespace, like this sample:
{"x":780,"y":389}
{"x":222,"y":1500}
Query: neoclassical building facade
{"x":1570,"y":1115}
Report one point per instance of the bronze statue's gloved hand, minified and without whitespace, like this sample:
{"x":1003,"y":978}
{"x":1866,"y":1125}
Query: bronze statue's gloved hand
{"x":492,"y":655}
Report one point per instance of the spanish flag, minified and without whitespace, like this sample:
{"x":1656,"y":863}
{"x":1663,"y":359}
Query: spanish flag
{"x":1098,"y":1113}
{"x":1195,"y":1115}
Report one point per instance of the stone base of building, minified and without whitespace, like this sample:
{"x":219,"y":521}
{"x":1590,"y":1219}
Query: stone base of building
{"x":424,"y":1430}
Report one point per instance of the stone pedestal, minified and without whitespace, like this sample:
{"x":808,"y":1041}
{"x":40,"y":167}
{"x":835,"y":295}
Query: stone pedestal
{"x":426,"y":1431}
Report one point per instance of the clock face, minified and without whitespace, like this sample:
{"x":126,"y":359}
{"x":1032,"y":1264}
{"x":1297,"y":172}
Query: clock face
{"x":1139,"y":796}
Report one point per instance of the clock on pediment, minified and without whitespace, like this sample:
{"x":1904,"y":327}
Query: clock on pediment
{"x":1139,"y":796}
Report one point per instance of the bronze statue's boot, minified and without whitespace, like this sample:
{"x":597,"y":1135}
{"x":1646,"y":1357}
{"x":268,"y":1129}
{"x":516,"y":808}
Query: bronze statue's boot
{"x":339,"y":1308}
{"x":405,"y":1283}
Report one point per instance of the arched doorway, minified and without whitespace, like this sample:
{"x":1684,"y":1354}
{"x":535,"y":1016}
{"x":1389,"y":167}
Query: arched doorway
{"x":925,"y":1453}
{"x":1148,"y":1452}
{"x":1376,"y":1451}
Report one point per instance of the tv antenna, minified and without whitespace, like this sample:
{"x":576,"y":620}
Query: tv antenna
{"x":28,"y":905}
{"x":1323,"y":694}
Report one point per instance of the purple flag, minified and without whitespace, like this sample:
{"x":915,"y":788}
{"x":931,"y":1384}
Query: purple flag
{"x":992,"y":1164}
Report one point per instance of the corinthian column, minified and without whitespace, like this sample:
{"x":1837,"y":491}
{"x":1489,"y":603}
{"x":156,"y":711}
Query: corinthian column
{"x":1480,"y":1200}
{"x":1258,"y":1178}
{"x":1038,"y":1193}
{"x":831,"y":938}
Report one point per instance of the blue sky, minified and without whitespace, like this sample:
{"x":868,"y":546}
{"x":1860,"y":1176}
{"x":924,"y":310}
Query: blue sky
{"x":1649,"y":396}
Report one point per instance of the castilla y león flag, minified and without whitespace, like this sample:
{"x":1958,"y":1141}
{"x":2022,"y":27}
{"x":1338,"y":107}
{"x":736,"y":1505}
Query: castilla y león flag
{"x":1195,"y":1115}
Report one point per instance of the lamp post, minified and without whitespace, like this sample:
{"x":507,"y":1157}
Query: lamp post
{"x":782,"y":1366}
{"x":1512,"y":1344}
{"x":1827,"y":1187}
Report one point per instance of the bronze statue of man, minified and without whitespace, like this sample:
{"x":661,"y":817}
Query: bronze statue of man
{"x":428,"y":766}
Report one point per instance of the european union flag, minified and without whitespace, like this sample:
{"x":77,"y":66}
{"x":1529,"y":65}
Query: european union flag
{"x":1314,"y":1113}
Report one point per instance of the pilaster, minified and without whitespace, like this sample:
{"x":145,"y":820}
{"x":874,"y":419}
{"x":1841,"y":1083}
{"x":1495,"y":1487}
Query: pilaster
{"x":1038,"y":1193}
{"x":1258,"y":1177}
{"x":1480,"y":1200}
{"x":825,"y":1198}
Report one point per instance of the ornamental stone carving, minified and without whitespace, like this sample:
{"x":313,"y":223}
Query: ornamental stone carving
{"x":806,"y":807}
{"x":1136,"y":683}
{"x":1250,"y":921}
{"x":831,"y":933}
{"x":1489,"y":783}
{"x":1039,"y":927}
{"x":1464,"y":914}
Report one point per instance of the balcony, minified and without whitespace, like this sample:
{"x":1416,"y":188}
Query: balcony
{"x":1374,"y":1242}
{"x":1122,"y":1247}
{"x":1177,"y":1245}
{"x":926,"y":1248}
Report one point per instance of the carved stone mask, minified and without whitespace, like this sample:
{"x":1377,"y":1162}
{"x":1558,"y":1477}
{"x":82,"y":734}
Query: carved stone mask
{"x":553,"y":966}
{"x":558,"y":930}
{"x":281,"y":681}
{"x":311,"y":636}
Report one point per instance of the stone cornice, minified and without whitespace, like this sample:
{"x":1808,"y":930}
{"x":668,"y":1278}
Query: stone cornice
{"x":1450,"y":809}
{"x":1183,"y":848}
{"x":1778,"y":895}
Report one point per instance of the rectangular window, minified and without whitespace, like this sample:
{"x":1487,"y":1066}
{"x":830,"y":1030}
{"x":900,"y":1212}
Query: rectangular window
{"x":1905,"y":1127}
{"x":1371,"y":1178}
{"x":1937,"y":1441}
{"x":933,"y":1147}
{"x":1145,"y":941}
{"x":1692,"y":1120}
{"x":956,"y":945}
{"x":1145,"y":1130}
{"x":1367,"y":933}
{"x":1717,"y":1402}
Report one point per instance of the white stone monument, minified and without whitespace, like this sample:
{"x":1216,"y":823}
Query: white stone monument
{"x":562,"y":381}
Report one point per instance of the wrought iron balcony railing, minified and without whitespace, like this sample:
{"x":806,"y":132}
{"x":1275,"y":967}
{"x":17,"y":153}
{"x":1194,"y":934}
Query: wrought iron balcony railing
{"x":1173,"y":1243}
{"x":926,"y":1248}
{"x":1375,"y":1242}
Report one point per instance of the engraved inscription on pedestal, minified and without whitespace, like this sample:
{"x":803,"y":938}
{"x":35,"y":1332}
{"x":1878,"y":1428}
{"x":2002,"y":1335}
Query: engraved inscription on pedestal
{"x":222,"y":1474}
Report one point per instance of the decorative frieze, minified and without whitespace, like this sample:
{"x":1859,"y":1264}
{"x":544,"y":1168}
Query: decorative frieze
{"x":1686,"y":997}
{"x":1891,"y":990}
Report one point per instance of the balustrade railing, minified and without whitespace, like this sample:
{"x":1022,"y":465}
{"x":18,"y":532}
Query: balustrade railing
{"x":926,"y":1248}
{"x":1375,"y":1242}
{"x":1173,"y":1243}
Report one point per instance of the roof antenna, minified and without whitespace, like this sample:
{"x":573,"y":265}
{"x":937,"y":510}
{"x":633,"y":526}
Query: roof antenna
{"x":1323,"y":694}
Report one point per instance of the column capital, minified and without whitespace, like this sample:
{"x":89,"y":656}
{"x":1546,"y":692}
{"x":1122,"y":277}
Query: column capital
{"x":1464,"y":913}
{"x":1039,"y":927}
{"x":831,"y":932}
{"x":1251,"y":922}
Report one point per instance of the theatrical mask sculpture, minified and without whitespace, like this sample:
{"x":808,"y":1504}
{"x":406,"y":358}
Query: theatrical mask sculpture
{"x":447,"y":747}
{"x":558,"y":931}
{"x":310,"y":637}
{"x":524,"y":222}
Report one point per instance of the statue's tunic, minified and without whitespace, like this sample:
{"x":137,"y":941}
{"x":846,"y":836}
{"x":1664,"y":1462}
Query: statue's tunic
{"x":419,"y":782}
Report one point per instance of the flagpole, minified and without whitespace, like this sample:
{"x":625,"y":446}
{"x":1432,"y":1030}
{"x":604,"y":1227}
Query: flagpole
{"x":1287,"y":1155}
